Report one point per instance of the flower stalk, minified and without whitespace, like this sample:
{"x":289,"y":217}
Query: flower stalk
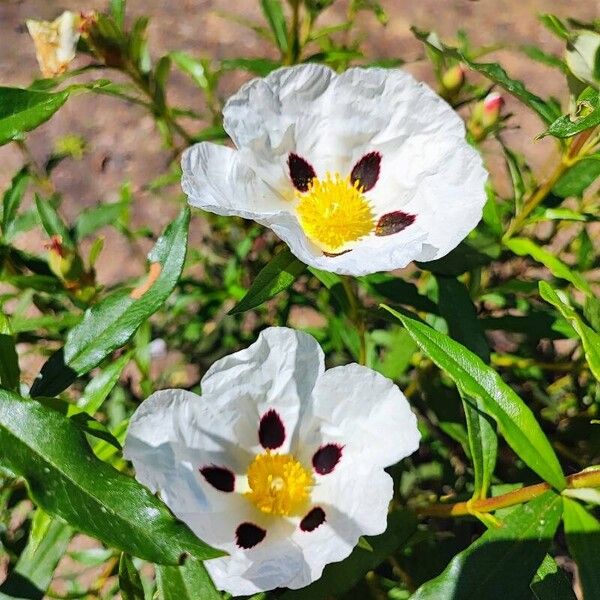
{"x":588,"y":478}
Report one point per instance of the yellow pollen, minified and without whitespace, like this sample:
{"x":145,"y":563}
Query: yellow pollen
{"x":333,"y":212}
{"x":279,"y":484}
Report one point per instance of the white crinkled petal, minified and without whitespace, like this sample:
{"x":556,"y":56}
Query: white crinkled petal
{"x":175,"y":433}
{"x":280,"y":370}
{"x":215,"y":180}
{"x":355,"y":499}
{"x":364,"y":412}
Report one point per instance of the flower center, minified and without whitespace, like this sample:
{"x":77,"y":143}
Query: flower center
{"x":279,"y":484}
{"x":333,"y":212}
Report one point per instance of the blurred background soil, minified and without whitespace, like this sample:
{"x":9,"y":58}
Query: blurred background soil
{"x":123,"y":145}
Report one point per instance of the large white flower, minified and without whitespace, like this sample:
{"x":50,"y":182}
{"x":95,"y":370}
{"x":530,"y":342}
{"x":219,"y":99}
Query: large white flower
{"x":357,"y":173}
{"x":279,"y":462}
{"x":55,"y":42}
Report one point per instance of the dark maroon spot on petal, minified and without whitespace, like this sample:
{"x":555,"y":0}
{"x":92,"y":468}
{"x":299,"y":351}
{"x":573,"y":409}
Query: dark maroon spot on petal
{"x":366,"y":171}
{"x":271,"y":432}
{"x":394,"y":222}
{"x":313,"y":519}
{"x":301,"y":172}
{"x":326,"y":458}
{"x":333,"y":254}
{"x":220,"y":478}
{"x":248,"y":535}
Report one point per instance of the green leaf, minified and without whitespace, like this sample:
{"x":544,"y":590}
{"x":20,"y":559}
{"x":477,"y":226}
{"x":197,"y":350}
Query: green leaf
{"x":569,"y":125}
{"x":35,"y":568}
{"x":503,"y":561}
{"x":9,"y":360}
{"x":259,"y":66}
{"x":67,"y":480}
{"x":550,"y":582}
{"x":189,"y":582}
{"x":193,"y":67}
{"x":92,"y":219}
{"x":341,"y":577}
{"x":589,"y":338}
{"x":23,"y":110}
{"x":52,"y":221}
{"x":583,"y":538}
{"x":555,"y":25}
{"x":130,"y":583}
{"x":110,"y":324}
{"x":12,"y":199}
{"x":117,"y":10}
{"x":459,"y":312}
{"x":460,"y":260}
{"x":97,"y":390}
{"x":476,"y":380}
{"x":527,"y":247}
{"x":578,"y":178}
{"x":494,"y":72}
{"x":273,"y":11}
{"x":278,"y":275}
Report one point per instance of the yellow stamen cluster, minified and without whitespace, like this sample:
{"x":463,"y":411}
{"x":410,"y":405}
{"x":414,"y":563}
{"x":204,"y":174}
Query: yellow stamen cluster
{"x":279,"y":484}
{"x":333,"y":212}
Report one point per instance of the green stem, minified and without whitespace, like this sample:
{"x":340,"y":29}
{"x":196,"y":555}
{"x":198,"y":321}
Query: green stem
{"x":583,"y":479}
{"x":356,"y":317}
{"x":536,"y":198}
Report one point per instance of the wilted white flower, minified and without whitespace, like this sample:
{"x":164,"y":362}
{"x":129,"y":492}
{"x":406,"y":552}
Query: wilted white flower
{"x":359,"y":172}
{"x":55,"y":42}
{"x":279,"y":462}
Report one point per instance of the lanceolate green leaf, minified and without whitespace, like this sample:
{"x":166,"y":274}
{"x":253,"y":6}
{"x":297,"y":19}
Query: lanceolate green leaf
{"x":130,"y":583}
{"x":583,"y":539}
{"x":189,"y":582}
{"x":494,"y":72}
{"x":567,"y":125}
{"x":278,"y":275}
{"x":527,"y":247}
{"x":273,"y":12}
{"x":66,"y":479}
{"x":550,"y":582}
{"x":33,"y":572}
{"x":111,"y":323}
{"x":578,"y":178}
{"x":22,"y":110}
{"x":459,"y":312}
{"x":340,"y":577}
{"x":12,"y":199}
{"x":504,"y":560}
{"x":589,"y":338}
{"x":476,"y":380}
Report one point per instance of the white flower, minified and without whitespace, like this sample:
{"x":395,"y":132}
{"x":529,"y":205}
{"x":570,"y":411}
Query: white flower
{"x":279,"y":462}
{"x":360,"y":172}
{"x":55,"y":42}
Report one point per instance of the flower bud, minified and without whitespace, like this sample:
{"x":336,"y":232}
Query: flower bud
{"x":453,"y":79}
{"x":55,"y":42}
{"x":492,"y":106}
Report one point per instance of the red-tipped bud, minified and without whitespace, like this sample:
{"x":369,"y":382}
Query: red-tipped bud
{"x":492,"y":106}
{"x":453,"y":79}
{"x":87,"y":19}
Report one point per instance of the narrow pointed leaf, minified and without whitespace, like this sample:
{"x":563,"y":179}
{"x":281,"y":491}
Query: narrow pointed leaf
{"x":475,"y":379}
{"x":527,"y":247}
{"x":110,"y":324}
{"x":583,"y":539}
{"x":187,"y":582}
{"x":275,"y":277}
{"x":130,"y":583}
{"x":22,"y":110}
{"x":504,"y":560}
{"x":67,"y":480}
{"x":589,"y":338}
